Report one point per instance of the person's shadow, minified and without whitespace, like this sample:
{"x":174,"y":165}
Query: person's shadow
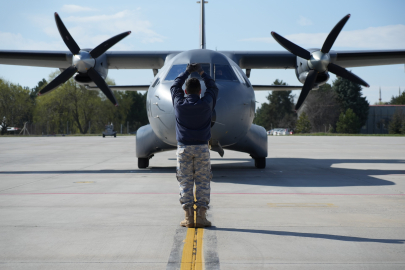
{"x":312,"y":235}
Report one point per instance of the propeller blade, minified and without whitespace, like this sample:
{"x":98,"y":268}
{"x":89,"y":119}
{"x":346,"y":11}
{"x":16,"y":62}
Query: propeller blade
{"x":99,"y":81}
{"x":344,"y":73}
{"x":62,"y":78}
{"x":291,"y":47}
{"x":308,"y":85}
{"x":327,"y":45}
{"x":103,"y":47}
{"x":67,"y":38}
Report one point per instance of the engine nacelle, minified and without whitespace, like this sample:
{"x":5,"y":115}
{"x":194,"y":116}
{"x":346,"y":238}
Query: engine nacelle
{"x":302,"y":69}
{"x":101,"y":66}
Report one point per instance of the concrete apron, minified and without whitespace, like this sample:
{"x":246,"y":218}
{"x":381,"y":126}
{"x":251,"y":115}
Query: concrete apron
{"x":321,"y":203}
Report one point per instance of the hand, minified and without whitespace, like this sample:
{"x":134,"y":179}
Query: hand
{"x":194,"y":67}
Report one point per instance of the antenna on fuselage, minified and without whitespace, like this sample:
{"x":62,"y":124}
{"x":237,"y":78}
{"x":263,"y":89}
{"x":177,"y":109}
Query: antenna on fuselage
{"x":202,"y":23}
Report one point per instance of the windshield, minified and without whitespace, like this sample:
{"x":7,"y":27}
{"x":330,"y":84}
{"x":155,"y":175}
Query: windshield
{"x":177,"y":69}
{"x":224,"y":73}
{"x":205,"y":67}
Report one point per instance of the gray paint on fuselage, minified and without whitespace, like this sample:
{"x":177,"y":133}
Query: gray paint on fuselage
{"x":234,"y":108}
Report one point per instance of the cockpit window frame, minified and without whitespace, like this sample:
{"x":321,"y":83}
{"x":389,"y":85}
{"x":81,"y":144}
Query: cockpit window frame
{"x":191,"y":75}
{"x":232,"y":72}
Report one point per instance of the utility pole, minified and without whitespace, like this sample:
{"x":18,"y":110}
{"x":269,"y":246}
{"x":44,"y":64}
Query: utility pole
{"x":121,"y":128}
{"x":380,"y":95}
{"x":67,"y":127}
{"x":128,"y":127}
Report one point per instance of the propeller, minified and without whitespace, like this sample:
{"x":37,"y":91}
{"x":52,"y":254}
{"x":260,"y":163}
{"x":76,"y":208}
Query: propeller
{"x":319,"y":61}
{"x":83,"y":61}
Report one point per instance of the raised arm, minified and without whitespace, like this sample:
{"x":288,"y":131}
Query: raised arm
{"x":211,"y":94}
{"x":176,"y":90}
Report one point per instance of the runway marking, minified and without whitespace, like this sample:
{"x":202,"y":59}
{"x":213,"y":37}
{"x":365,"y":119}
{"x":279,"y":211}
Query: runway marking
{"x":301,"y":205}
{"x":192,"y":258}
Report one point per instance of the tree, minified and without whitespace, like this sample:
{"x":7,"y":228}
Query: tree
{"x":84,"y":108}
{"x":303,"y":124}
{"x":348,"y":122}
{"x":399,"y":100}
{"x":34,"y":91}
{"x":396,"y":124}
{"x":349,"y":96}
{"x":322,"y":108}
{"x":137,"y":115}
{"x":280,"y":105}
{"x":15,"y":105}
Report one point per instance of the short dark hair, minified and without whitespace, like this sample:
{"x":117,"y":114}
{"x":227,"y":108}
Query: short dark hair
{"x":193,"y":86}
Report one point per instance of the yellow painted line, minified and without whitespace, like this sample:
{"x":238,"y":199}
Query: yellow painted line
{"x":198,"y":265}
{"x":301,"y":205}
{"x":192,"y":258}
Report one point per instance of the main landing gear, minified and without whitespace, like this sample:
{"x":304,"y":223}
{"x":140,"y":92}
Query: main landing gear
{"x":144,"y":162}
{"x":260,"y":162}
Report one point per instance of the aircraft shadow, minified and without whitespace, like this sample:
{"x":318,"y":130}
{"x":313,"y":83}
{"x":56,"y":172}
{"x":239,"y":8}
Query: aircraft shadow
{"x":283,"y":172}
{"x":313,"y":235}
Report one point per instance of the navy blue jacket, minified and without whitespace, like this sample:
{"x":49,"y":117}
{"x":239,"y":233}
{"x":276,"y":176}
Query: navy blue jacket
{"x":193,"y":114}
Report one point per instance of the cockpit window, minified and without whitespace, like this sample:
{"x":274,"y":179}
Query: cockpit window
{"x":205,"y":67}
{"x":175,"y":71}
{"x":224,"y":73}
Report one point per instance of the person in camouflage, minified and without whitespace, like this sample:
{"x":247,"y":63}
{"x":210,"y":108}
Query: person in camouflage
{"x":193,"y":131}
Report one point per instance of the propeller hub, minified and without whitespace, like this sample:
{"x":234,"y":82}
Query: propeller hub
{"x":319,"y":61}
{"x":83,"y":61}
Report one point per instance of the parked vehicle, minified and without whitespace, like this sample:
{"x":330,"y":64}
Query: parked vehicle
{"x":270,"y":132}
{"x":285,"y":131}
{"x":277,"y":131}
{"x":109,"y":131}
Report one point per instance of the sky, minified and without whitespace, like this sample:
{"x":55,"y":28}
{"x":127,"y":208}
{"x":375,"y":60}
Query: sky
{"x":230,"y":25}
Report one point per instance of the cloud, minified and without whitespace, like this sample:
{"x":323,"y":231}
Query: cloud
{"x":304,"y":21}
{"x":18,"y":42}
{"x":113,"y":24}
{"x":75,"y":8}
{"x":382,"y":37}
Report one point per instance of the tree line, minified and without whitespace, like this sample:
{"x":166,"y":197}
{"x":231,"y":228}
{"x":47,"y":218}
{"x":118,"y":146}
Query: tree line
{"x":71,"y":108}
{"x":337,"y":107}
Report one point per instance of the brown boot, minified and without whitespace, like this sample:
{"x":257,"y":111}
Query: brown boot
{"x":201,"y":220}
{"x":189,"y":220}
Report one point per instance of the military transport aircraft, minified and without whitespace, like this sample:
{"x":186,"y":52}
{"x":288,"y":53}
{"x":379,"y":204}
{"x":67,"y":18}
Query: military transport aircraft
{"x":232,"y":126}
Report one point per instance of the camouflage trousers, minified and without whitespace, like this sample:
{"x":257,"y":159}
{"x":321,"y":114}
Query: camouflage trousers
{"x":194,"y":166}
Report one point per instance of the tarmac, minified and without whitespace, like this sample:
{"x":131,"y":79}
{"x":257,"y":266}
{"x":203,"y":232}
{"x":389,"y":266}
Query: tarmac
{"x":321,"y":203}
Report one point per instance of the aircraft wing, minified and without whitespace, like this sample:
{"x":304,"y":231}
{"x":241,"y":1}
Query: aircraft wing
{"x":122,"y":87}
{"x":63,"y":59}
{"x":245,"y":59}
{"x":276,"y":87}
{"x":286,"y":60}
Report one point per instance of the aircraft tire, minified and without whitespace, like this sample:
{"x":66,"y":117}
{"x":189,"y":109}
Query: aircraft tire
{"x":260,"y":163}
{"x":143,"y":163}
{"x":103,"y":136}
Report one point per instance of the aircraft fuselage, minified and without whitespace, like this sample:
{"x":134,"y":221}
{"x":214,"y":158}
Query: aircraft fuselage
{"x":235,"y":107}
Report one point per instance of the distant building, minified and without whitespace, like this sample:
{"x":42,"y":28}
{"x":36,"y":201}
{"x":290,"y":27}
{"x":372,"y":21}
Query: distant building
{"x":379,"y":117}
